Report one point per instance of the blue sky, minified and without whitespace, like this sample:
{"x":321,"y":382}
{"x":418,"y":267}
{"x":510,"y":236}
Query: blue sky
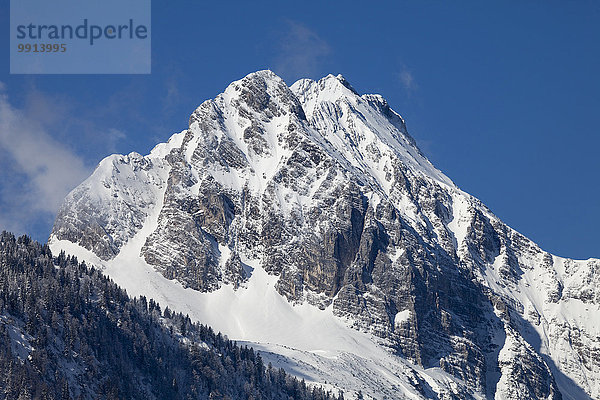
{"x":502,"y":96}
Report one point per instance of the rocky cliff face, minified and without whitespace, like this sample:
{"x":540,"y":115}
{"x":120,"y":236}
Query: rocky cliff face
{"x":327,"y":190}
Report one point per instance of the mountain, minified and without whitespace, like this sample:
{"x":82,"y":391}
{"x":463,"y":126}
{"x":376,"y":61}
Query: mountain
{"x":68,"y":332}
{"x":306,"y":221}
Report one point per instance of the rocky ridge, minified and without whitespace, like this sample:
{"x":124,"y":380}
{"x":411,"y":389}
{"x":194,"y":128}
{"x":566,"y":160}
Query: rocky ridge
{"x":326,"y":189}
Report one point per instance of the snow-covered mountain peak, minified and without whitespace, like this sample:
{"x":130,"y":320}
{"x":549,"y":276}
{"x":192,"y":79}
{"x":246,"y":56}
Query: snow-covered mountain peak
{"x":313,"y":203}
{"x":364,"y":128}
{"x":259,"y":91}
{"x":330,"y":88}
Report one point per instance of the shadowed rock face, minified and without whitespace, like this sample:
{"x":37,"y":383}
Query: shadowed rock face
{"x":326,"y":188}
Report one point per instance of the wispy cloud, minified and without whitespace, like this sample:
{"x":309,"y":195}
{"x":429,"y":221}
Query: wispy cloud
{"x":113,"y":137}
{"x":407,"y":80}
{"x":172,"y":97}
{"x":38,"y":170}
{"x":300,"y":52}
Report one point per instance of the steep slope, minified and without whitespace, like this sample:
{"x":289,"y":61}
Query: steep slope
{"x":68,"y":332}
{"x":303,"y":212}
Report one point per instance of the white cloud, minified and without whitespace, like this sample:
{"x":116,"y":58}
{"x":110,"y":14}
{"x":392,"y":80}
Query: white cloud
{"x":37,"y":170}
{"x":113,"y":136}
{"x":407,"y":80}
{"x":301,"y":50}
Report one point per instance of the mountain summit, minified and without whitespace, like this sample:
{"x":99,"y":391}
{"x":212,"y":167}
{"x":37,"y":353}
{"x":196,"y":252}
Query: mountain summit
{"x":306,"y":221}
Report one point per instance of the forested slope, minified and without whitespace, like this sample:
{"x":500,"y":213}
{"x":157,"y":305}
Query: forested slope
{"x":68,"y":332}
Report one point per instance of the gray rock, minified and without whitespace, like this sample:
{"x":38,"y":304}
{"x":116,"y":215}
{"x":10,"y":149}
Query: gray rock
{"x":328,"y":190}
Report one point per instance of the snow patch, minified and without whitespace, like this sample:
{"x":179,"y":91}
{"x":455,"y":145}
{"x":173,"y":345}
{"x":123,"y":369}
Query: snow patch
{"x":20,"y":345}
{"x":402,"y":317}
